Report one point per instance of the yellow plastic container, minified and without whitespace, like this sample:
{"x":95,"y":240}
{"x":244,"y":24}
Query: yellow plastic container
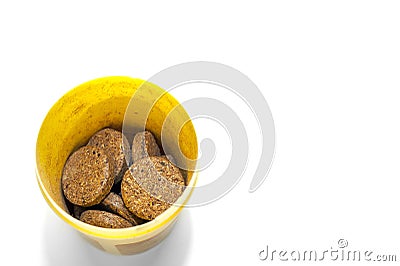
{"x":78,"y":115}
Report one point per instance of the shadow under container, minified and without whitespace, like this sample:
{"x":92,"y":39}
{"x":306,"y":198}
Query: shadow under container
{"x":75,"y":118}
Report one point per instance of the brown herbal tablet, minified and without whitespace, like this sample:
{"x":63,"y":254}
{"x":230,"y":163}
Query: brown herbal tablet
{"x":144,"y":145}
{"x":87,"y":176}
{"x":104,"y":219}
{"x":150,"y":186}
{"x":115,"y":144}
{"x":113,"y":203}
{"x":170,"y":158}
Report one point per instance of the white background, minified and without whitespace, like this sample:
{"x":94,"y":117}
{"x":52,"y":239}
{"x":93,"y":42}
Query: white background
{"x":328,"y":69}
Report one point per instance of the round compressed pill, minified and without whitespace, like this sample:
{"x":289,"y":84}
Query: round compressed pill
{"x":104,"y":219}
{"x":150,"y":186}
{"x":113,"y":203}
{"x":87,"y":176}
{"x":114,"y":143}
{"x":144,"y":145}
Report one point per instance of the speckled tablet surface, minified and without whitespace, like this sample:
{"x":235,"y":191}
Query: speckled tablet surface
{"x":116,"y":145}
{"x":113,"y":203}
{"x":87,"y":176}
{"x":150,"y":186}
{"x":104,"y":219}
{"x":144,"y":145}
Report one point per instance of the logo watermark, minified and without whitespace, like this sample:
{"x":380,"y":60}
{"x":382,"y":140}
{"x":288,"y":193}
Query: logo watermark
{"x":229,"y":79}
{"x":341,"y":252}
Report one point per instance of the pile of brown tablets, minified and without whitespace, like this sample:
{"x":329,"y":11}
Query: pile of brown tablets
{"x":109,"y":184}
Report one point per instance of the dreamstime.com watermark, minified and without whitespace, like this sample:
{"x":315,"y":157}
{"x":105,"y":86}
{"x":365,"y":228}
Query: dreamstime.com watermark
{"x":339,"y":253}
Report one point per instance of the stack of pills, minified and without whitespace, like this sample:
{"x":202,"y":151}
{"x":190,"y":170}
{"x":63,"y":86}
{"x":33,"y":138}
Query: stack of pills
{"x":103,"y":188}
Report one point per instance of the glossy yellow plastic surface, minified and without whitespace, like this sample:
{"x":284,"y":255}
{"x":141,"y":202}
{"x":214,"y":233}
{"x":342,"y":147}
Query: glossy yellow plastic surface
{"x":78,"y":115}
